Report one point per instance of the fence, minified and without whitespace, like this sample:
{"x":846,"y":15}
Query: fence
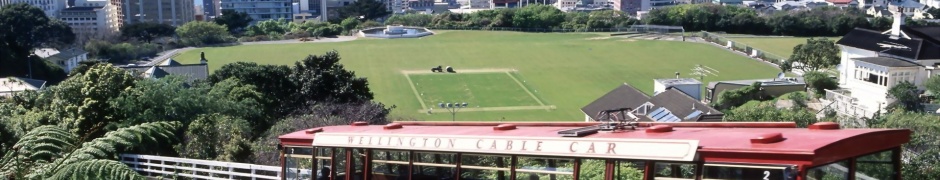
{"x":161,"y":166}
{"x":743,"y":48}
{"x":633,"y":28}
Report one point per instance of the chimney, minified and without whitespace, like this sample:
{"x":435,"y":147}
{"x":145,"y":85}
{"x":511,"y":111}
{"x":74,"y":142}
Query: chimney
{"x":202,"y":58}
{"x":677,"y":75}
{"x":898,"y":22}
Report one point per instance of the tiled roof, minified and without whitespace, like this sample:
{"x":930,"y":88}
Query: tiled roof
{"x":884,"y":43}
{"x":13,"y":84}
{"x":887,"y":61}
{"x":682,"y":105}
{"x":624,"y":96}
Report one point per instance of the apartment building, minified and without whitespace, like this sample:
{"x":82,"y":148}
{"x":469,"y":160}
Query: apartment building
{"x":172,"y":12}
{"x":261,"y":10}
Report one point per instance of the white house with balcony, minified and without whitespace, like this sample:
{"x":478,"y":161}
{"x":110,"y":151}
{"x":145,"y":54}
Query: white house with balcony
{"x":873,"y":62}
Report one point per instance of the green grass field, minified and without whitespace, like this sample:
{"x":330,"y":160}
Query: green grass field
{"x":565,"y":71}
{"x":779,"y":46}
{"x":497,"y":89}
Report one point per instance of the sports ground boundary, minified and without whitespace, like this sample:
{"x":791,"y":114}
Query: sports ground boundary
{"x":426,"y":109}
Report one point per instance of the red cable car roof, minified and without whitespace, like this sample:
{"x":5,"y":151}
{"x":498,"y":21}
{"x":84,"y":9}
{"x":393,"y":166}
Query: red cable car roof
{"x":764,"y":143}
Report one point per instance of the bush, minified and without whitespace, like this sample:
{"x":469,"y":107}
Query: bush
{"x":819,"y":82}
{"x":734,"y":98}
{"x":766,"y":112}
{"x":122,"y":52}
{"x":199,"y":33}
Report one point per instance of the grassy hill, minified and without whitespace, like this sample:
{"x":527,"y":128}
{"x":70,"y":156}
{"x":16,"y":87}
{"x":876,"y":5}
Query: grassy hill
{"x":562,"y":71}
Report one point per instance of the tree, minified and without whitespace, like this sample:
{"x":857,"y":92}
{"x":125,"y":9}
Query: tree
{"x":235,"y":21}
{"x":349,"y":24}
{"x":363,"y":10}
{"x":217,"y":137}
{"x":270,"y":80}
{"x":53,"y":152}
{"x":905,"y":94}
{"x":323,"y":78}
{"x":147,"y":31}
{"x":26,"y":27}
{"x":734,"y":98}
{"x":766,"y":112}
{"x":921,"y":157}
{"x":815,"y":54}
{"x":316,"y":115}
{"x":538,"y":16}
{"x":200,"y":33}
{"x":819,"y":82}
{"x":933,"y":84}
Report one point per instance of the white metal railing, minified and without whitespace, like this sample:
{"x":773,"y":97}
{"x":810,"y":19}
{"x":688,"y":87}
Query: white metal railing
{"x":845,"y":104}
{"x":161,"y":166}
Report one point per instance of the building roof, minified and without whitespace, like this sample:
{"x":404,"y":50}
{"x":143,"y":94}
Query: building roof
{"x":884,"y":43}
{"x":170,"y":67}
{"x":840,"y":1}
{"x":764,"y":82}
{"x":717,"y":142}
{"x":670,"y":105}
{"x":45,"y":52}
{"x":683,"y":106}
{"x":83,"y":8}
{"x":624,"y":96}
{"x":16,"y":84}
{"x":67,"y":54}
{"x":679,"y":81}
{"x":887,"y":61}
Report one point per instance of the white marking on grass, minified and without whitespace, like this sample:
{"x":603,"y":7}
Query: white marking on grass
{"x":478,"y":109}
{"x":526,"y":89}
{"x":415,"y":90}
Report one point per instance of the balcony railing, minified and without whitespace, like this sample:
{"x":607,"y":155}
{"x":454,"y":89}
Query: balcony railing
{"x":843,"y":103}
{"x":160,"y":166}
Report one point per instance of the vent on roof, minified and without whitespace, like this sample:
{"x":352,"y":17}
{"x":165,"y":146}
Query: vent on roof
{"x":659,"y":129}
{"x":314,"y":130}
{"x":579,"y":132}
{"x":824,"y":126}
{"x":503,"y":127}
{"x":359,"y":123}
{"x":392,"y":126}
{"x":768,"y":138}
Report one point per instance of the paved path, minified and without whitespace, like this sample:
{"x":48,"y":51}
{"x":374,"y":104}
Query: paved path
{"x":297,"y":41}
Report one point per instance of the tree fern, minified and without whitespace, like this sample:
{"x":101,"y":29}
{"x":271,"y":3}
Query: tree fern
{"x":96,"y":169}
{"x":38,"y":146}
{"x":108,"y":147}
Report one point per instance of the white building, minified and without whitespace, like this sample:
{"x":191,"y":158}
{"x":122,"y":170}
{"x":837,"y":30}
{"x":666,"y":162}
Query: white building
{"x":475,"y":4}
{"x":67,"y":59}
{"x":566,"y":4}
{"x":873,"y":62}
{"x":50,"y":7}
{"x":261,"y":10}
{"x":89,"y":22}
{"x":12,"y":85}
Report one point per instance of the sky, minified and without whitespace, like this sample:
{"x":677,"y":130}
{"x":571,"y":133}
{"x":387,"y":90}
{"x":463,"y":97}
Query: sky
{"x":198,"y":2}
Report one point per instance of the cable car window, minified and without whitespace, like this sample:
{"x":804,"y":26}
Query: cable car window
{"x":674,"y":171}
{"x":748,"y":172}
{"x":434,"y":165}
{"x":833,"y":171}
{"x":390,"y":164}
{"x":298,"y":163}
{"x":544,"y":168}
{"x":480,"y":167}
{"x":875,"y":166}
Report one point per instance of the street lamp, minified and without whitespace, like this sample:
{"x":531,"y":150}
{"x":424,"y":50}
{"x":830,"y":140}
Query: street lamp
{"x":453,"y":108}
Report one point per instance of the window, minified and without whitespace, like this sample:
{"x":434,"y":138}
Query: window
{"x":595,"y":169}
{"x":298,"y":163}
{"x":875,"y":166}
{"x":675,"y":170}
{"x":390,"y":164}
{"x":481,"y":167}
{"x":544,"y":168}
{"x":736,"y":171}
{"x":430,"y":165}
{"x":834,"y":171}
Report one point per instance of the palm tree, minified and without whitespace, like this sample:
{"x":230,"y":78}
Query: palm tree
{"x":52,"y":152}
